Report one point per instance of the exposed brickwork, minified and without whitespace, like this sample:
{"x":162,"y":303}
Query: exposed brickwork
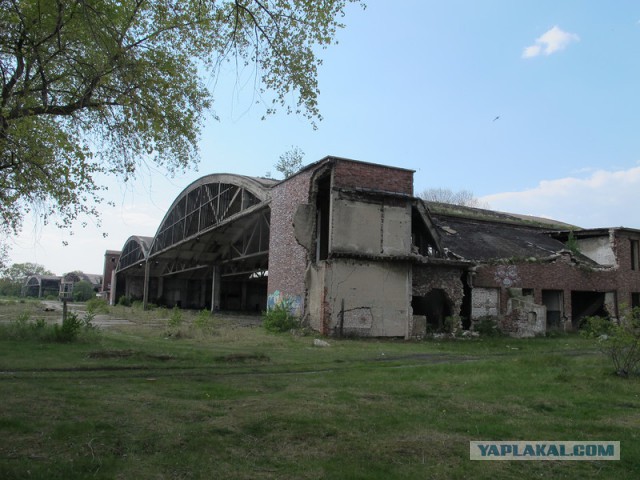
{"x":427,"y":278}
{"x":110,"y":261}
{"x":348,"y":174}
{"x":565,"y":276}
{"x":287,"y":258}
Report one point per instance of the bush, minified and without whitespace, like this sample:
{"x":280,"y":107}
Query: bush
{"x":594,"y":327}
{"x":83,"y":291}
{"x":175,"y":319}
{"x":280,"y":319}
{"x":202,"y":320}
{"x":452,"y":325}
{"x":622,"y":344}
{"x":97,"y":305}
{"x":69,"y":330}
{"x":487,"y":327}
{"x":124,"y":301}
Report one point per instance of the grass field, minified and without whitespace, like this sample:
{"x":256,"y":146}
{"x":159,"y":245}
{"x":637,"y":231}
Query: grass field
{"x":223,"y":401}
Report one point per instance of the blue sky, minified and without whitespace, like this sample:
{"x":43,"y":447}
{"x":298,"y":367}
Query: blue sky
{"x":419,"y":84}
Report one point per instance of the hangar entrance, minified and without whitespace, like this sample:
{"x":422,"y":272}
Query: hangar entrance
{"x":211,"y":249}
{"x":586,"y":304}
{"x":554,"y":301}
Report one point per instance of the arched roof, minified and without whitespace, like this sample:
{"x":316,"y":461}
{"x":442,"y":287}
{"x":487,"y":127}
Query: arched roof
{"x":206,"y":203}
{"x":134,"y":251}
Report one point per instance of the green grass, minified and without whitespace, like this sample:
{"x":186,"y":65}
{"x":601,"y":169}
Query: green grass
{"x":239,"y":403}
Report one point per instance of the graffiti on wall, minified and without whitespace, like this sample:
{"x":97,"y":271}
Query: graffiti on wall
{"x":507,"y":275}
{"x":293,"y":303}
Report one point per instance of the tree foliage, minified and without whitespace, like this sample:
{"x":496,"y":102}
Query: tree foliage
{"x":290,"y":162}
{"x":19,"y":271}
{"x":83,"y":291}
{"x":12,"y":278}
{"x":95,"y":87}
{"x":463,"y":198}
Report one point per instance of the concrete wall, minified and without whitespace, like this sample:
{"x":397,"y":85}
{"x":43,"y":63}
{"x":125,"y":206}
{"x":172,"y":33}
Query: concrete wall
{"x":367,"y":227}
{"x":485,"y":302}
{"x":366,"y":298}
{"x":361,"y":221}
{"x":598,"y":249}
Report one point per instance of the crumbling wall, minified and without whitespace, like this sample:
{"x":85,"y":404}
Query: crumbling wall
{"x":426,"y":278}
{"x":287,"y":258}
{"x":523,"y":318}
{"x":561,"y":275}
{"x":598,"y":249}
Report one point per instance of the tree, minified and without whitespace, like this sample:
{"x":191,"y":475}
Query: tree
{"x":12,"y":278}
{"x":95,"y":87}
{"x":290,"y":162}
{"x":463,"y":198}
{"x":19,"y":271}
{"x":83,"y":291}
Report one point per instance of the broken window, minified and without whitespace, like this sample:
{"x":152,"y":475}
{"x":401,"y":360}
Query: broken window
{"x":322,"y":218}
{"x":554,"y":301}
{"x":635,"y":300}
{"x":635,"y":255}
{"x":587,"y":304}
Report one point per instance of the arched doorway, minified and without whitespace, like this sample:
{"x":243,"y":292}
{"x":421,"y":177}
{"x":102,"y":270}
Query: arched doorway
{"x":435,"y":305}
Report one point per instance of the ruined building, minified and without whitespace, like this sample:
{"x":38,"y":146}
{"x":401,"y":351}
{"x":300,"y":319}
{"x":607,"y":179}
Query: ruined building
{"x":353,"y":252}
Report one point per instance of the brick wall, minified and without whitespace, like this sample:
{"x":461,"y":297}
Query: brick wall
{"x":287,"y":258}
{"x":350,"y":174}
{"x":565,"y":276}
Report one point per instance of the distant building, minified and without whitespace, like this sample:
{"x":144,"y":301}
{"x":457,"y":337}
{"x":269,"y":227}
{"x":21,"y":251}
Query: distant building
{"x":111,"y":258}
{"x":41,"y":286}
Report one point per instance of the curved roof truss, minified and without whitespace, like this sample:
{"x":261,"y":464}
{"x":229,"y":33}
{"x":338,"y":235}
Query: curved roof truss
{"x":135,"y":251}
{"x":206,"y":204}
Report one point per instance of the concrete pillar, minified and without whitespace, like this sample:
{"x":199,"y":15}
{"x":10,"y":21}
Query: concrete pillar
{"x":112,"y":293}
{"x":145,"y":286}
{"x":243,"y":299}
{"x":215,"y":288}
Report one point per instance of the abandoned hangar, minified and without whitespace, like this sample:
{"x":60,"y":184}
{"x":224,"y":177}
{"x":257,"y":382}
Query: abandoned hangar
{"x":351,"y":250}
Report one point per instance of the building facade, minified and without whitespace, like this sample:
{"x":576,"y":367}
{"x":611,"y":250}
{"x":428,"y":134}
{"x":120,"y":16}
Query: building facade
{"x":351,"y":251}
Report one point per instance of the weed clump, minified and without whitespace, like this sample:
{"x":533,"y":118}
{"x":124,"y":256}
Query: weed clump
{"x":25,"y":329}
{"x":279,"y":318}
{"x":487,"y":327}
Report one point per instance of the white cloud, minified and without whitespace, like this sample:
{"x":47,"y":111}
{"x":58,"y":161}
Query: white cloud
{"x":603,"y":199}
{"x":553,"y":40}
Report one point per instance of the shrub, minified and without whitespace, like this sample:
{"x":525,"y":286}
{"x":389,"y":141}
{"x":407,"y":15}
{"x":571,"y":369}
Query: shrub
{"x":202,"y":320}
{"x":124,"y":301}
{"x":622,"y":344}
{"x":488,"y":327}
{"x":83,"y":291}
{"x":594,"y":327}
{"x":452,"y":325}
{"x":280,"y":319}
{"x":175,"y":319}
{"x":69,"y":330}
{"x":97,"y":305}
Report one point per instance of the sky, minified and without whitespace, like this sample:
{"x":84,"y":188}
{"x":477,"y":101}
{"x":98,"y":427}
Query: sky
{"x":534,"y":106}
